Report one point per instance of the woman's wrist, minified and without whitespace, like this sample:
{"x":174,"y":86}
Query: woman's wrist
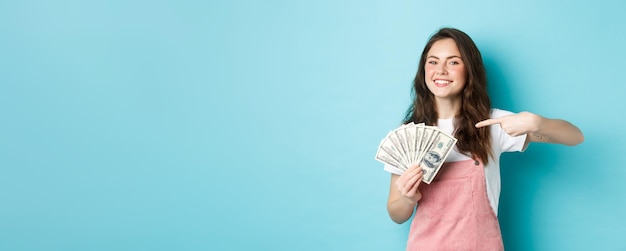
{"x":413,"y":201}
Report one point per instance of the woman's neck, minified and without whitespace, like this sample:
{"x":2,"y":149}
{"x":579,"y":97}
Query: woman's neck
{"x":448,"y":108}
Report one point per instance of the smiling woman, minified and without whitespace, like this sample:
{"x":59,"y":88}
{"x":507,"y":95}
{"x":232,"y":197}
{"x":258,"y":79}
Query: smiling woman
{"x":450,"y":93}
{"x":445,"y":71}
{"x":250,"y":125}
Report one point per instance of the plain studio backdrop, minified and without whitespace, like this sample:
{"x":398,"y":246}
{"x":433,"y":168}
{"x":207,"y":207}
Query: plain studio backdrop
{"x":252,"y":125}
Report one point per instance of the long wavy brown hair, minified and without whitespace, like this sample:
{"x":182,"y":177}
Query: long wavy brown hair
{"x":475,"y":107}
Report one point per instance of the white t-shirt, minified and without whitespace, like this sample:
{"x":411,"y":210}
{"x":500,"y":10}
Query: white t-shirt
{"x":500,"y":142}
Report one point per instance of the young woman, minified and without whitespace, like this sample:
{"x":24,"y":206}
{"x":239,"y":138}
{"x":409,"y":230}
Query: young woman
{"x":457,"y":211}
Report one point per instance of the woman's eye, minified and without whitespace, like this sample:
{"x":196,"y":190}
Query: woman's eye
{"x":454,"y":62}
{"x":432,"y":62}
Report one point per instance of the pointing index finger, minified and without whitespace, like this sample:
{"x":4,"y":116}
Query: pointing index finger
{"x":487,"y":122}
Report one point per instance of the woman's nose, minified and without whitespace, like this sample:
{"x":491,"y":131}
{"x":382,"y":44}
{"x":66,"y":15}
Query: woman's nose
{"x":441,"y":70}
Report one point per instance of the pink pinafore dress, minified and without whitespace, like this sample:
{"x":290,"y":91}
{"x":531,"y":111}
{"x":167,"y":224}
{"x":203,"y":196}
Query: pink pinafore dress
{"x":454,"y":212}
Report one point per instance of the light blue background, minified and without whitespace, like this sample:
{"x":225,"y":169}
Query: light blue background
{"x":252,"y":125}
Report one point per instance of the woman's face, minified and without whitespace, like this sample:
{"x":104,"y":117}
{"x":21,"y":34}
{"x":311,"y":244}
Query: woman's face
{"x":445,"y":71}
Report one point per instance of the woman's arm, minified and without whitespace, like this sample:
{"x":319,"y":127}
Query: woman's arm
{"x":538,"y":128}
{"x":404,"y":194}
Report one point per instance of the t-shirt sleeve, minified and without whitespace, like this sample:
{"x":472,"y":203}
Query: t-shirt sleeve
{"x":504,"y":142}
{"x":392,"y":169}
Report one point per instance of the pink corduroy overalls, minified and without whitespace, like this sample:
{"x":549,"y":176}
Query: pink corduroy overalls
{"x":454,"y":212}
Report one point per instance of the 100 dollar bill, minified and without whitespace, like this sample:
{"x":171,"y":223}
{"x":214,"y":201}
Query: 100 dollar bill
{"x":435,"y":154}
{"x":412,"y":144}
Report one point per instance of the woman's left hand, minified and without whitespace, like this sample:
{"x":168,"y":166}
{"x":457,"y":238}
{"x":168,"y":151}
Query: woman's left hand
{"x":515,"y":124}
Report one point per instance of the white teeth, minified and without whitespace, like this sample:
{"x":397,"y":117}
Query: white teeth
{"x":442,"y":82}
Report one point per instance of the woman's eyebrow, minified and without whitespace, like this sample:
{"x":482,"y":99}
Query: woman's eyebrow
{"x":453,"y":56}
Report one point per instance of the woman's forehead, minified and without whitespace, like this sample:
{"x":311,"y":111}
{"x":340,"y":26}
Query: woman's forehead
{"x":444,"y":48}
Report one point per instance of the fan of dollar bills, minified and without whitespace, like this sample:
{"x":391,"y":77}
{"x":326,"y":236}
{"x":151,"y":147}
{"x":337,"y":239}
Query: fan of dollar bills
{"x":412,"y":143}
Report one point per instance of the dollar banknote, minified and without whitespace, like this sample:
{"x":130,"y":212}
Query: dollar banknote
{"x":412,"y":144}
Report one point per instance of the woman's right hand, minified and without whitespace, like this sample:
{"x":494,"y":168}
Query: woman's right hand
{"x":404,"y":194}
{"x":408,"y":184}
